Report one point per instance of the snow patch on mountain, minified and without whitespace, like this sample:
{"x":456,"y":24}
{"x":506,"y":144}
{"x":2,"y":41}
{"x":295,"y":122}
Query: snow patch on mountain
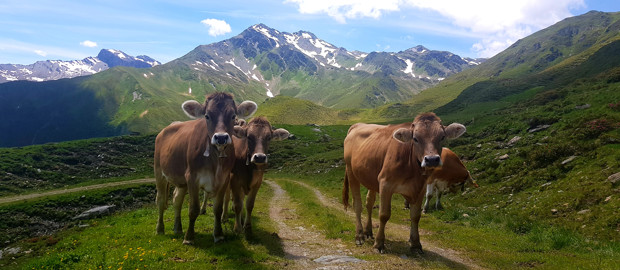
{"x":57,"y":69}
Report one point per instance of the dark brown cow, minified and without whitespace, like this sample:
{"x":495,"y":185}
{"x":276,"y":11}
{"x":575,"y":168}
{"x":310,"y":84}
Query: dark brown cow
{"x":251,"y":162}
{"x":393,"y":159}
{"x":196,"y":155}
{"x":448,"y":178}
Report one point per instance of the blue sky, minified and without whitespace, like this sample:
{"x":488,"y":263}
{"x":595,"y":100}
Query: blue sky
{"x":33,"y":30}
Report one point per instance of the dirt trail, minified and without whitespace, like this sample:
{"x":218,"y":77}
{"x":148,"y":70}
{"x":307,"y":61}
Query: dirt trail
{"x":71,"y":190}
{"x":399,"y":234}
{"x":303,"y":245}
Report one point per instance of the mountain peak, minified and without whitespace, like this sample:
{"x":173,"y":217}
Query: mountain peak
{"x":419,"y":49}
{"x":119,"y":58}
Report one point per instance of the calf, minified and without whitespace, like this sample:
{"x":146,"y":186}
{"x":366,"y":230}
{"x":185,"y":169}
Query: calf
{"x":448,"y":178}
{"x":250,"y":164}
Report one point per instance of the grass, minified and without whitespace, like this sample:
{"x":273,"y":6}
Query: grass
{"x":75,"y":163}
{"x":131,"y":243}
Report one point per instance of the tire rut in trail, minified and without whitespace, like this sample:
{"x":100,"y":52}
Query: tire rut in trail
{"x":397,"y":232}
{"x":303,"y":245}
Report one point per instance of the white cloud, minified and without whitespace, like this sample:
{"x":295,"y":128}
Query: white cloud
{"x":341,"y":10}
{"x":499,"y":23}
{"x":216,"y":27}
{"x":88,"y":43}
{"x":40,"y":52}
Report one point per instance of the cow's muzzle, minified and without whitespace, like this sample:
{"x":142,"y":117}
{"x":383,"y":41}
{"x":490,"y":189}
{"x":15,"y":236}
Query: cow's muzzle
{"x":221,"y":139}
{"x":431,"y":161}
{"x":259,"y":158}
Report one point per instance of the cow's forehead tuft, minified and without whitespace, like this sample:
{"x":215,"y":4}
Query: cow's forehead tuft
{"x":429,"y":116}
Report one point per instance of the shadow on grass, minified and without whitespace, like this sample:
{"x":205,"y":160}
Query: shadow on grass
{"x":238,"y":251}
{"x":429,"y":257}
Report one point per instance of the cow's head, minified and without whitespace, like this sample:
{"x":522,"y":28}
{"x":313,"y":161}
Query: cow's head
{"x":427,"y":134}
{"x":220,"y":114}
{"x":259,"y":133}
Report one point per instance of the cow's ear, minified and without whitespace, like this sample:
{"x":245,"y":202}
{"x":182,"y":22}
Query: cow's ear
{"x":280,"y":134}
{"x":455,"y":130}
{"x":246,"y":109}
{"x":239,"y":132}
{"x":240,"y":122}
{"x":403,"y":135}
{"x":193,"y":109}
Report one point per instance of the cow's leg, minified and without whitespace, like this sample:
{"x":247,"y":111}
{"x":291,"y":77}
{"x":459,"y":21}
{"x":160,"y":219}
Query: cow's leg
{"x":385,"y":211}
{"x":414,"y":236}
{"x":225,"y":207}
{"x":370,"y":204}
{"x":406,"y":203}
{"x":237,"y":207}
{"x":222,"y":178}
{"x":438,"y":202}
{"x":354,"y":186}
{"x":194,"y":211}
{"x":177,"y":201}
{"x":162,"y":201}
{"x":203,"y":209}
{"x":429,"y":196}
{"x":249,"y":206}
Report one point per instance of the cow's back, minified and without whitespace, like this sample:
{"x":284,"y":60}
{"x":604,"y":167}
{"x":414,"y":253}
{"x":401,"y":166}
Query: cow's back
{"x":452,"y":170}
{"x":366,"y":148}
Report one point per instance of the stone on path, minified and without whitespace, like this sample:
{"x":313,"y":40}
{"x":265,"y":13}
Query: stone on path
{"x":329,"y":259}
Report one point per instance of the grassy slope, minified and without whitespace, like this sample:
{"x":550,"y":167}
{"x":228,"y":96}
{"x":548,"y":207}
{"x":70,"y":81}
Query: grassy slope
{"x":42,"y":167}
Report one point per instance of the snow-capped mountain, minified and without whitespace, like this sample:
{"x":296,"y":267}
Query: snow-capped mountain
{"x":263,"y":54}
{"x":56,"y":69}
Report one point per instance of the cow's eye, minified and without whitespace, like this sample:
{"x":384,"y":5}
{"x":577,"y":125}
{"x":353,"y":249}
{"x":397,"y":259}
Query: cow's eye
{"x":416,"y":140}
{"x":443,"y":138}
{"x":234,"y":116}
{"x":207,"y":117}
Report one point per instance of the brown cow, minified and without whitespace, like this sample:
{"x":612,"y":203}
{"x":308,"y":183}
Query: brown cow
{"x":393,"y":159}
{"x":251,"y":162}
{"x":448,"y":178}
{"x":196,"y":155}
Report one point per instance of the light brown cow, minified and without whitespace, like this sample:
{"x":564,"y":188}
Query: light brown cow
{"x":196,"y":155}
{"x":448,"y":178}
{"x":251,"y":162}
{"x":393,"y":159}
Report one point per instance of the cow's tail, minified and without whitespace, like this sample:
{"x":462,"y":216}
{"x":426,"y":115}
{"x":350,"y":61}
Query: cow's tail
{"x":345,"y":191}
{"x":471,"y":180}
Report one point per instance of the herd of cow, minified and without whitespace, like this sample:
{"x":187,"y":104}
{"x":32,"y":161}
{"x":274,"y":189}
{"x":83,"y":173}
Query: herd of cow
{"x":222,"y":155}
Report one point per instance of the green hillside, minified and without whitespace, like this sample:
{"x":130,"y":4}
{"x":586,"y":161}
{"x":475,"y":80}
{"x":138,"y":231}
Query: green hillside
{"x":577,"y":47}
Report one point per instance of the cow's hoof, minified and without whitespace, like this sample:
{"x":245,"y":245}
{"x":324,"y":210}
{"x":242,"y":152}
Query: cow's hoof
{"x":416,"y":251}
{"x":379,"y":248}
{"x":359,"y":241}
{"x":218,"y":239}
{"x":188,"y":242}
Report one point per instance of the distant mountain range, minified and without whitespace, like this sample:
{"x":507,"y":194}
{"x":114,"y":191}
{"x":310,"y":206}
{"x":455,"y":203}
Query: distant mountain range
{"x":301,"y":65}
{"x":56,"y":69}
{"x":350,"y":86}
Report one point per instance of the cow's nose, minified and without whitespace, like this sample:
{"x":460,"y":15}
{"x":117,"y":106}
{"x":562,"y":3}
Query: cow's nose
{"x":431,"y":161}
{"x":221,"y":138}
{"x":259,"y":158}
